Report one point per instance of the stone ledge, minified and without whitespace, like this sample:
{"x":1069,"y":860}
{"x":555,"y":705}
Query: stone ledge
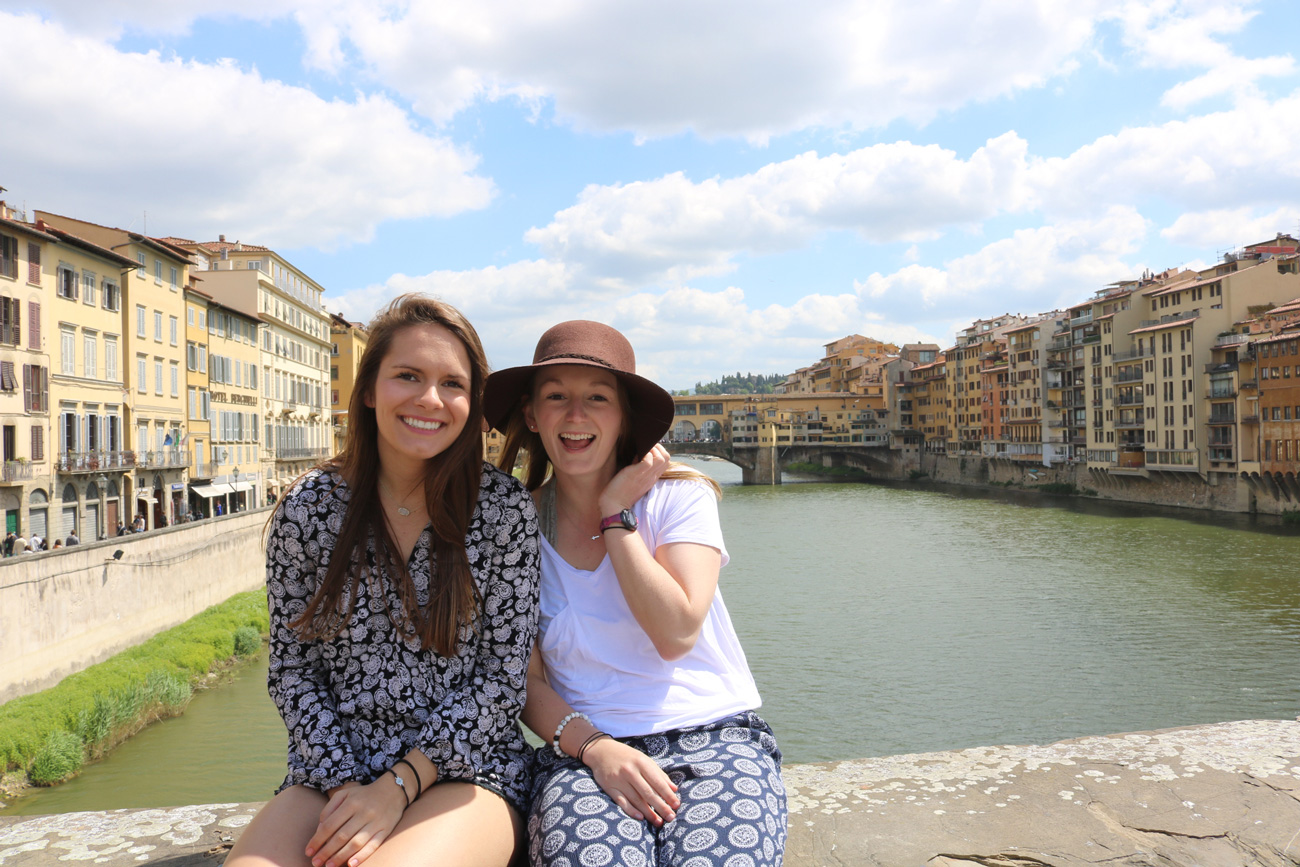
{"x":1209,"y":796}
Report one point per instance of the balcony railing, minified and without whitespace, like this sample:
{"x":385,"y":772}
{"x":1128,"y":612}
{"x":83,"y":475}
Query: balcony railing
{"x":1231,"y":339}
{"x":1221,"y":393}
{"x":1131,"y":354}
{"x":163,"y":459}
{"x":1129,"y":374}
{"x":1135,"y":399}
{"x":201,"y":470}
{"x":1129,"y":423}
{"x":1222,"y":418}
{"x":1221,"y":367}
{"x":298,"y":454}
{"x":92,"y":462}
{"x":16,"y":471}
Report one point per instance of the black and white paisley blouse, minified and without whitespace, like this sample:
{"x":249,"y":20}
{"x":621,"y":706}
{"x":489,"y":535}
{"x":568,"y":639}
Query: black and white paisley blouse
{"x":356,"y":703}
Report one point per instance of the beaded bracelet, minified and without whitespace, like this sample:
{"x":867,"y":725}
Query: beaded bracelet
{"x":559,"y":730}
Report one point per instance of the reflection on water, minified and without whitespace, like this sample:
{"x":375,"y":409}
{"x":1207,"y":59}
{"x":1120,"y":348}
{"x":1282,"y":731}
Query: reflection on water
{"x":890,"y":619}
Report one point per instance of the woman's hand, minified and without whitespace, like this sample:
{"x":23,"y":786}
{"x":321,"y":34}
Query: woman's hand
{"x":633,"y":481}
{"x":355,"y":821}
{"x":635,"y":783}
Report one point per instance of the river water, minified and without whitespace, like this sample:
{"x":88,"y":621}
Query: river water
{"x":891,"y":619}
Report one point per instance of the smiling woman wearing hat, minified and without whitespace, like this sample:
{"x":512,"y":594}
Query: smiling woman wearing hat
{"x":639,"y":683}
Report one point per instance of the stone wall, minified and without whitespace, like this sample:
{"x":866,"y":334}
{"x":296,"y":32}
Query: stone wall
{"x":64,"y":610}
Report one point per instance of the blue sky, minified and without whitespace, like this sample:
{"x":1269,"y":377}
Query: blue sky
{"x":732,"y":184}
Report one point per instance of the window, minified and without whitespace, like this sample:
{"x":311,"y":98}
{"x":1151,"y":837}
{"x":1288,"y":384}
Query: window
{"x":202,"y":319}
{"x":189,"y":316}
{"x":8,"y":257}
{"x":139,"y":320}
{"x":175,"y":325}
{"x":36,"y":389}
{"x":157,"y":271}
{"x":110,"y":358}
{"x":68,"y":348}
{"x":67,"y":282}
{"x":8,"y":382}
{"x":10,"y":321}
{"x":139,"y":269}
{"x":89,"y":355}
{"x":157,"y":325}
{"x":174,"y":275}
{"x":176,"y":379}
{"x":112,"y":295}
{"x":157,"y":376}
{"x":334,"y":371}
{"x":34,"y":263}
{"x":141,"y":374}
{"x":88,"y":287}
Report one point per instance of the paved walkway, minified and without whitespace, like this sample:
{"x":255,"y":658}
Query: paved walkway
{"x":1204,"y":796}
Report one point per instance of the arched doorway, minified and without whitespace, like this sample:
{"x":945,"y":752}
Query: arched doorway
{"x":113,"y":507}
{"x":159,"y":502}
{"x":68,"y":523}
{"x":38,"y":513}
{"x":90,"y":515}
{"x":711,"y":431}
{"x":684,"y":431}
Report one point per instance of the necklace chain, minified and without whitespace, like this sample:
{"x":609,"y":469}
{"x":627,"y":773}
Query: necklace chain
{"x":401,"y":510}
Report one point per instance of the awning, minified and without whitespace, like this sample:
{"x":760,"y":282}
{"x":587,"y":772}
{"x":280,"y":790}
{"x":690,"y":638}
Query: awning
{"x":210,"y":491}
{"x":242,"y":486}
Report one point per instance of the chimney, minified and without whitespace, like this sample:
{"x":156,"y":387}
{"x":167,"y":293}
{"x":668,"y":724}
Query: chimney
{"x":221,"y":238}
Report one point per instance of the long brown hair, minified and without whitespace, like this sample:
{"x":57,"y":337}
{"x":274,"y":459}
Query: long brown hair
{"x":451,"y":485}
{"x":519,"y":440}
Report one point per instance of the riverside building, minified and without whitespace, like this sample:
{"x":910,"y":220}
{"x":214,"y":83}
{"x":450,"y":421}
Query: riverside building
{"x":294,"y":358}
{"x":151,"y":356}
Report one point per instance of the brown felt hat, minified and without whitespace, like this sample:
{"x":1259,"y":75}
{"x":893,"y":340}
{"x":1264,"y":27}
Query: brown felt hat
{"x":591,"y":344}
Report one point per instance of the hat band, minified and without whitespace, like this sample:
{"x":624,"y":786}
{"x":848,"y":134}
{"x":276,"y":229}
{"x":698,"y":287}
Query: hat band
{"x":602,"y":362}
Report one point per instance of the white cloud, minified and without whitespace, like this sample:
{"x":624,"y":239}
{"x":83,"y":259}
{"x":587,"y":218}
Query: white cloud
{"x":673,"y":229}
{"x":752,"y":69}
{"x":210,"y":147}
{"x":107,"y":19}
{"x":1229,"y":228}
{"x":1188,"y":34}
{"x":1033,"y":270}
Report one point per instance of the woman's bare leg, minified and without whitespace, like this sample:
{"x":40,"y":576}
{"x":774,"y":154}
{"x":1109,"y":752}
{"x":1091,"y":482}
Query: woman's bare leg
{"x":453,"y":825}
{"x":278,"y":834}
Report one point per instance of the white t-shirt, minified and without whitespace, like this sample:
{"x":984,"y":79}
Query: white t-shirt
{"x":602,"y":663}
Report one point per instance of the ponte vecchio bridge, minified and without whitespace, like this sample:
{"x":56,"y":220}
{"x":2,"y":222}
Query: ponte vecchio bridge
{"x":764,"y":434}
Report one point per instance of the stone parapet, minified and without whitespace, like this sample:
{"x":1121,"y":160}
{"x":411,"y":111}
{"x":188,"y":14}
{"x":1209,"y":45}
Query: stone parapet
{"x":1221,"y":795}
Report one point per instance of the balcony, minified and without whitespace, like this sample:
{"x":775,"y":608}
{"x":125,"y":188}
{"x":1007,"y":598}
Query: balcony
{"x":301,"y":454}
{"x":1249,"y":384}
{"x":1129,"y":374}
{"x":1221,"y":393}
{"x":93,"y":462}
{"x":16,"y":471}
{"x":1223,"y":417}
{"x":1129,"y":423}
{"x":1057,"y":364}
{"x":1134,"y":399}
{"x":1250,"y":418}
{"x":1130,"y":355}
{"x":1221,"y":367}
{"x":1231,"y":339}
{"x":200,"y":470}
{"x":166,"y":459}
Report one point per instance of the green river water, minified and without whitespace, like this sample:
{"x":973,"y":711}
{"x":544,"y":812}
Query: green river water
{"x":891,"y":619}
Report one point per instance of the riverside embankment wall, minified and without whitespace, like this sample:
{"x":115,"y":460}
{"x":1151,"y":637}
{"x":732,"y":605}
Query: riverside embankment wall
{"x":1220,"y":492}
{"x":64,"y":610}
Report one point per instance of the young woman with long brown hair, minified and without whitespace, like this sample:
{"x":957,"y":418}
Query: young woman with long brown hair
{"x":656,"y":756}
{"x":402,"y":577}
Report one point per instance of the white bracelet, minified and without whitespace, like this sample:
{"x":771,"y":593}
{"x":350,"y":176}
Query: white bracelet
{"x":559,"y":730}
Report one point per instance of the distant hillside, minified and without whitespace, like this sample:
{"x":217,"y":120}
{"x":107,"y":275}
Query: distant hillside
{"x":738,"y":383}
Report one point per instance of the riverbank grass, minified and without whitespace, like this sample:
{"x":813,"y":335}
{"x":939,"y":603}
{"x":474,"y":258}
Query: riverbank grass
{"x":841,"y":473}
{"x":50,"y":734}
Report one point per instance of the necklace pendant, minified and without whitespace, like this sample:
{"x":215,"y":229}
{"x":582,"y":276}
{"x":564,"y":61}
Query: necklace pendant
{"x":403,"y":511}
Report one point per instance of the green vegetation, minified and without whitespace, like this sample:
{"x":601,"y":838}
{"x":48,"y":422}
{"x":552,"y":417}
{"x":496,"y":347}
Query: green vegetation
{"x":51,"y":733}
{"x":748,"y":383}
{"x":916,"y":474}
{"x":1291,"y":516}
{"x":1064,"y":488}
{"x":808,"y":469}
